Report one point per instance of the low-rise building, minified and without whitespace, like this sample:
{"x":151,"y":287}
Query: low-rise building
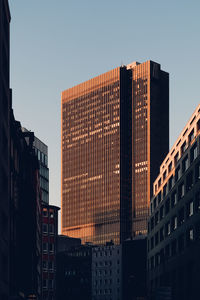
{"x":119,"y":271}
{"x":107,"y":272}
{"x":74,"y":276}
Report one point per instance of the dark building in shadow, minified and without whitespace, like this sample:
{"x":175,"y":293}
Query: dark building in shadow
{"x":49,"y":250}
{"x":25,"y":215}
{"x":5,"y":106}
{"x":119,"y":271}
{"x":174,"y":223}
{"x":74,"y":273}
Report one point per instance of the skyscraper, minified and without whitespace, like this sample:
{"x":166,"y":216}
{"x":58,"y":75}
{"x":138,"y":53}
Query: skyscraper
{"x":115,"y":133}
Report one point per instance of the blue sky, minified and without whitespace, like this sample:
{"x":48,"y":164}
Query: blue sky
{"x":58,"y":44}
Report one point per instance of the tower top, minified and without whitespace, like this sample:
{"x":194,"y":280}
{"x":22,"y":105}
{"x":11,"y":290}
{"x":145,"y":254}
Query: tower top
{"x":132,"y":65}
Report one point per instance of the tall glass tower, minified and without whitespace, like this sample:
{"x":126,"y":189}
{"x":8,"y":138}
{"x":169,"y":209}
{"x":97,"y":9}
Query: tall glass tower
{"x":115,"y":133}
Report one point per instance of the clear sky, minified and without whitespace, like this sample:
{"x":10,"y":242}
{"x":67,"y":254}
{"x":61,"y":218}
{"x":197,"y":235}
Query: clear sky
{"x":56,"y":44}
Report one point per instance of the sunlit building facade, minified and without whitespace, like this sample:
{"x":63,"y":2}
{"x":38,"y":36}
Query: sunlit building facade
{"x":150,"y":135}
{"x":106,"y":151}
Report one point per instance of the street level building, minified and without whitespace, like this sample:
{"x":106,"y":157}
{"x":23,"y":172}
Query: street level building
{"x":24,"y":215}
{"x":115,"y":134}
{"x":119,"y":271}
{"x":107,"y":272}
{"x":74,"y":272}
{"x":49,"y":250}
{"x":174,"y":223}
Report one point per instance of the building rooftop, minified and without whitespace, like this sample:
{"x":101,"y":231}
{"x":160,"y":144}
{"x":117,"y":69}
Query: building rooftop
{"x":187,"y":136}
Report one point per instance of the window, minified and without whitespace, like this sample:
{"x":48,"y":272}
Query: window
{"x":51,"y":265}
{"x":161,"y":212}
{"x":156,"y":218}
{"x":190,"y":209}
{"x":159,"y":197}
{"x":181,"y":216}
{"x":170,"y":167}
{"x":191,"y":135}
{"x":174,"y":223}
{"x":181,"y":191}
{"x":45,"y":212}
{"x":185,"y":164}
{"x":51,"y":283}
{"x":51,"y":214}
{"x":177,"y":173}
{"x":174,"y":199}
{"x":189,"y":181}
{"x":167,"y":206}
{"x":159,"y":182}
{"x":51,"y":228}
{"x":51,"y":247}
{"x":170,"y":184}
{"x":164,"y":190}
{"x":167,"y":229}
{"x":164,"y":175}
{"x":44,"y":263}
{"x":45,"y":247}
{"x":193,"y":153}
{"x":190,"y":236}
{"x":176,"y":158}
{"x":45,"y":283}
{"x":44,"y":228}
{"x":183,"y":148}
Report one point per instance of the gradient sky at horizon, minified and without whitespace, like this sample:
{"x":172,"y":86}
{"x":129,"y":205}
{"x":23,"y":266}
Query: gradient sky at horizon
{"x":58,"y":44}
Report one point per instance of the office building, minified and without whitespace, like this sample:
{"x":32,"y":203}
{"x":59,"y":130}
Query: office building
{"x":107,"y":272}
{"x":115,"y":134}
{"x":5,"y":106}
{"x":174,"y":223}
{"x":119,"y":271}
{"x":41,"y":151}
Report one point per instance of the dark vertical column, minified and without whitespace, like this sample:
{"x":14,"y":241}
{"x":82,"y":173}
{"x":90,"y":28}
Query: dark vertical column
{"x":125,"y":153}
{"x":159,"y":120}
{"x":4,"y":149}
